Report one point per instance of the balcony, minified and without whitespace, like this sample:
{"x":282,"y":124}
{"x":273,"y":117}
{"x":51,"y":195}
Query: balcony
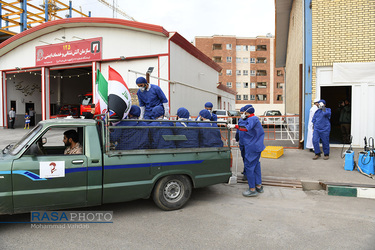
{"x":262,"y":60}
{"x":261,"y":73}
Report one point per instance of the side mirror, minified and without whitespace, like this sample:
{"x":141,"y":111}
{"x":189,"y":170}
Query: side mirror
{"x":44,"y":140}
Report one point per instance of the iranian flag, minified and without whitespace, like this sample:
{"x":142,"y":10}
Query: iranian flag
{"x":101,"y":94}
{"x":119,"y":99}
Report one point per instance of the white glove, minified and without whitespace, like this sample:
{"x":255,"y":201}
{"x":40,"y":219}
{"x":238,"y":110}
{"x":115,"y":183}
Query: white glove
{"x":142,"y":113}
{"x":166,"y":110}
{"x":321,"y":104}
{"x":230,"y":126}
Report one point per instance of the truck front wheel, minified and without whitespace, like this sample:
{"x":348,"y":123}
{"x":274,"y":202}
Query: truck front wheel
{"x":172,"y":192}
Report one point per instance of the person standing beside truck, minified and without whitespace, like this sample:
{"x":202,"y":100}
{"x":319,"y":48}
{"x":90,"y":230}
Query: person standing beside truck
{"x":12,"y":117}
{"x":71,"y":141}
{"x":150,"y":96}
{"x":239,"y":139}
{"x":253,"y":139}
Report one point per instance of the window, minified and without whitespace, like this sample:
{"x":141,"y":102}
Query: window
{"x":261,"y":72}
{"x":261,"y":60}
{"x":261,"y":85}
{"x":252,"y":97}
{"x":279,"y":97}
{"x":245,"y":84}
{"x":262,"y":97}
{"x":245,"y":97}
{"x":252,"y":85}
{"x":238,"y":59}
{"x":217,"y":59}
{"x":245,"y":60}
{"x":252,"y":72}
{"x":261,"y":47}
{"x":245,"y":72}
{"x":216,"y":46}
{"x":279,"y":73}
{"x":229,"y":72}
{"x":238,"y":85}
{"x":229,"y":59}
{"x":229,"y":46}
{"x":54,"y":145}
{"x":238,"y":72}
{"x":229,"y":84}
{"x":252,"y":60}
{"x":238,"y":97}
{"x":280,"y":85}
{"x":246,"y":47}
{"x":252,"y":48}
{"x":238,"y":47}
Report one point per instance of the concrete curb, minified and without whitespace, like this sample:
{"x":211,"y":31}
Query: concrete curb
{"x":360,"y":192}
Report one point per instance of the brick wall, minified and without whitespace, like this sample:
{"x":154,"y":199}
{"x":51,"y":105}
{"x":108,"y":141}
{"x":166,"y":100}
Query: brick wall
{"x":343,"y":31}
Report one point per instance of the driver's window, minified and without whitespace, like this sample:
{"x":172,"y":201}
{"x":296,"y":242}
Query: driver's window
{"x":59,"y":141}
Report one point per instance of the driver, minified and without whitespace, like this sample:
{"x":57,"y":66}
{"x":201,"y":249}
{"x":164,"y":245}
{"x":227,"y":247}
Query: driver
{"x":73,"y":147}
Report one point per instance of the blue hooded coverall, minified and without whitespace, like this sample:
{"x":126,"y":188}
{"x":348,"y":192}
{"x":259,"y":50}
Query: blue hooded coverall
{"x":156,"y":134}
{"x":128,"y":139}
{"x":322,"y":128}
{"x":151,"y":98}
{"x":191,"y":134}
{"x":209,"y":137}
{"x":253,"y":140}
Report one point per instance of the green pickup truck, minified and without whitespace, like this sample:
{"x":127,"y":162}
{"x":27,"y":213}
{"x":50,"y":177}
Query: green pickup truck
{"x":35,"y":174}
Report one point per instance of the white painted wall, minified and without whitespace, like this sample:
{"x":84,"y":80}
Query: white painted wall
{"x":116,"y":42}
{"x":187,"y":69}
{"x":363,"y":95}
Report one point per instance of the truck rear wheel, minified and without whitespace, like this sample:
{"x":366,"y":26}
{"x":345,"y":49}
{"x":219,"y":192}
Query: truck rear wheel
{"x":172,"y":192}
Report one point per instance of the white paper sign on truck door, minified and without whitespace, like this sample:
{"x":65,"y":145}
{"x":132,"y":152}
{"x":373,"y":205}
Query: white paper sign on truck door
{"x":52,"y":169}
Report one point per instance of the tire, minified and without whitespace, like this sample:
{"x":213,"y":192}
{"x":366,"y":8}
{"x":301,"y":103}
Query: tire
{"x":172,"y":192}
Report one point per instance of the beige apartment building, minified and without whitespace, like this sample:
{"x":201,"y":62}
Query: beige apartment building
{"x":248,"y":68}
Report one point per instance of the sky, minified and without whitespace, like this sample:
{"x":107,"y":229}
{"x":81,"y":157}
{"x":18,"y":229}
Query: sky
{"x":190,"y":18}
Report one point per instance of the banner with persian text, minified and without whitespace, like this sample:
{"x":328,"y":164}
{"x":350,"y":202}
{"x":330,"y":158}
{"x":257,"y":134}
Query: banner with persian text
{"x":86,"y":50}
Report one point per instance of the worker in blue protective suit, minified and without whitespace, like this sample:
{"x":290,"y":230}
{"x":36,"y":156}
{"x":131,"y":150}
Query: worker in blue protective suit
{"x":239,"y":139}
{"x":150,"y":96}
{"x":208,"y":137}
{"x":131,"y":138}
{"x":158,"y":136}
{"x":322,"y":128}
{"x":191,"y":134}
{"x":253,"y":139}
{"x":209,"y":106}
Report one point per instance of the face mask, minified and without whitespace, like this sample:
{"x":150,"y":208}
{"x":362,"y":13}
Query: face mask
{"x":142,"y":88}
{"x":243,"y":116}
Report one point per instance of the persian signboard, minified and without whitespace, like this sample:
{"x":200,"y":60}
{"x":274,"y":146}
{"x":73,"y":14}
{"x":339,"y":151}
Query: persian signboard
{"x":86,"y":50}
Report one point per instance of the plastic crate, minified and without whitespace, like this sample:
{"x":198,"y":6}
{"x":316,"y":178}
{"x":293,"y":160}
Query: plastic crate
{"x":272,"y":152}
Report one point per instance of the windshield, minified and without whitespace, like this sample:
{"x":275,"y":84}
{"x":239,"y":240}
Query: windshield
{"x":234,"y":113}
{"x":221,"y":112}
{"x":86,"y":101}
{"x":273,"y":113}
{"x":25,"y":139}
